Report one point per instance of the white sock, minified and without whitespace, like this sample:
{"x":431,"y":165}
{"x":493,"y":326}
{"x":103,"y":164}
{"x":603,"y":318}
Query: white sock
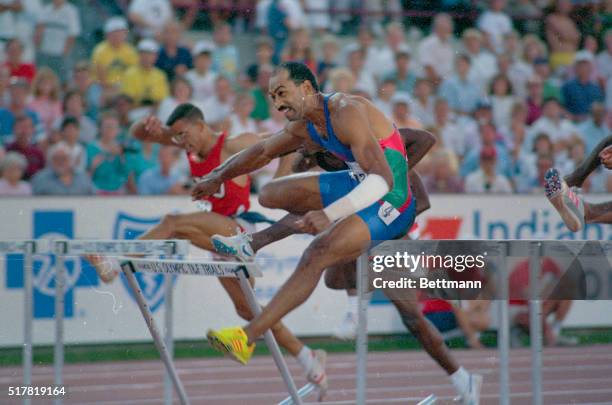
{"x":461,"y":380}
{"x":305,"y":357}
{"x":353,"y":305}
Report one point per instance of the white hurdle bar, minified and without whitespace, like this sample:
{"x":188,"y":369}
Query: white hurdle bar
{"x":28,"y":248}
{"x":65,"y":248}
{"x":242,"y":271}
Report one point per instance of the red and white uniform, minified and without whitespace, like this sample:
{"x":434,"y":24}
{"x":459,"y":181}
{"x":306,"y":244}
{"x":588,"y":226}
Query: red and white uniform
{"x":231,"y":199}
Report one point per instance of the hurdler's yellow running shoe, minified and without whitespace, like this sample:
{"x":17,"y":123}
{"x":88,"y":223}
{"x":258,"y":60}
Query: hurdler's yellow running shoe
{"x":232,"y":342}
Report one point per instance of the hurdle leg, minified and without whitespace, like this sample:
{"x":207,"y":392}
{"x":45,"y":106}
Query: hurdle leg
{"x":362,"y":329}
{"x":27,"y":325}
{"x":159,"y":342}
{"x":535,"y":323}
{"x":503,"y":328}
{"x":58,"y":351}
{"x":269,"y":338}
{"x":168,"y":334}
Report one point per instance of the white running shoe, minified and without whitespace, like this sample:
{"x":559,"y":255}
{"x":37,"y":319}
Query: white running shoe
{"x":569,"y":204}
{"x":347,"y":329}
{"x":238,"y":245}
{"x":317,"y":374}
{"x":472,"y":396}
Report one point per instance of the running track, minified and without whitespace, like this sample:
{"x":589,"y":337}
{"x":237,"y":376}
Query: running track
{"x":571,"y":376}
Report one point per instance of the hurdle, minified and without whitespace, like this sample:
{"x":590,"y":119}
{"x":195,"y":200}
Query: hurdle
{"x":65,"y":248}
{"x":239,"y":270}
{"x":28,"y":248}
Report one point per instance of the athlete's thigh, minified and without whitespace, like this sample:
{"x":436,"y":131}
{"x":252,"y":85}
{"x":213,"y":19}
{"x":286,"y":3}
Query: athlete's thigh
{"x":297,"y":193}
{"x":233,"y":289}
{"x":199,"y":224}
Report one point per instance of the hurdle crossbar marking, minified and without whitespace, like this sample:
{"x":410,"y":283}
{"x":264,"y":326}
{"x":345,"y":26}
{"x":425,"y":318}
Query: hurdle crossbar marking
{"x":121,"y":247}
{"x":193,"y":267}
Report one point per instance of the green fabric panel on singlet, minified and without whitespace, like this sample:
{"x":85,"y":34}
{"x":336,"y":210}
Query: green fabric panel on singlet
{"x":399,"y":168}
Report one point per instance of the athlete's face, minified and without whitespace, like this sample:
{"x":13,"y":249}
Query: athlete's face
{"x":189,"y":135}
{"x":289,"y":98}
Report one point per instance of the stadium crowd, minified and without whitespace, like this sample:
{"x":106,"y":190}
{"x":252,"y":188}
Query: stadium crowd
{"x":507,"y":98}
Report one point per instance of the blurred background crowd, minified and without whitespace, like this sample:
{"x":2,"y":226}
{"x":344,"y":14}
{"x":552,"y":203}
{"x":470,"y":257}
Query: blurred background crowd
{"x":510,"y":88}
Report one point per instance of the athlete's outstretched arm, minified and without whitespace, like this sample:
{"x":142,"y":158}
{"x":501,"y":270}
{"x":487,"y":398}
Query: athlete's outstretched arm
{"x":150,"y":129}
{"x":579,"y":175}
{"x":418,"y":142}
{"x":248,"y":160}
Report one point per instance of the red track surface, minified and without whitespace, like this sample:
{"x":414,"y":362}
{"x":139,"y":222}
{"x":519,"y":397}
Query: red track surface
{"x":570,"y":375}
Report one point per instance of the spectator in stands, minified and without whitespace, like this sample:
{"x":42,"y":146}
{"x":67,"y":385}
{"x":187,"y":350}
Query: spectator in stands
{"x":7,"y":20}
{"x":281,"y":16}
{"x":14,"y":61}
{"x":423,"y":103}
{"x":535,"y":99}
{"x":149,"y":16}
{"x":543,"y":162}
{"x":5,"y":77}
{"x":46,"y":102}
{"x":122,"y":107}
{"x":551,"y":85}
{"x":259,"y":92}
{"x":162,"y":179}
{"x":341,"y":80}
{"x":91,"y":91}
{"x":24,"y":135}
{"x":60,"y":177}
{"x":240,"y":120}
{"x":435,"y":53}
{"x":595,"y":128}
{"x":225,"y":54}
{"x":489,"y":139}
{"x":444,"y":177}
{"x":495,"y":23}
{"x":12,"y":168}
{"x":575,"y":154}
{"x":518,"y":72}
{"x":386,"y":91}
{"x":400,"y":112}
{"x":2,"y":152}
{"x":604,"y":58}
{"x":552,"y":123}
{"x":58,"y":27}
{"x":219,"y":107}
{"x":580,"y":93}
{"x":144,"y":83}
{"x":26,"y":19}
{"x":70,"y":135}
{"x":450,"y":133}
{"x":502,"y":101}
{"x":201,"y":77}
{"x":113,"y":56}
{"x":363,"y":79}
{"x":522,"y":167}
{"x":18,"y":92}
{"x":106,"y":161}
{"x":387,"y":54}
{"x":300,"y":49}
{"x":486,"y":179}
{"x":365,"y":42}
{"x":484,"y":64}
{"x":173,"y":58}
{"x":403,"y":77}
{"x":181,"y":92}
{"x":329,"y":50}
{"x":461,"y":93}
{"x":73,"y":106}
{"x":562,"y":35}
{"x":319,"y":18}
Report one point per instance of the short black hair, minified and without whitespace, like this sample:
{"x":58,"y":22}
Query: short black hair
{"x":299,"y":73}
{"x":69,"y":120}
{"x":186,"y":111}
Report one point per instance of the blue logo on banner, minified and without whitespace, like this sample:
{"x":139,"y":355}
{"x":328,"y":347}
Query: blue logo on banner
{"x":151,"y":285}
{"x":51,"y":225}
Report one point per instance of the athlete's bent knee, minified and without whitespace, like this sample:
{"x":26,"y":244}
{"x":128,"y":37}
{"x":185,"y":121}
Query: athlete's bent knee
{"x":269,"y":196}
{"x":169,"y":222}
